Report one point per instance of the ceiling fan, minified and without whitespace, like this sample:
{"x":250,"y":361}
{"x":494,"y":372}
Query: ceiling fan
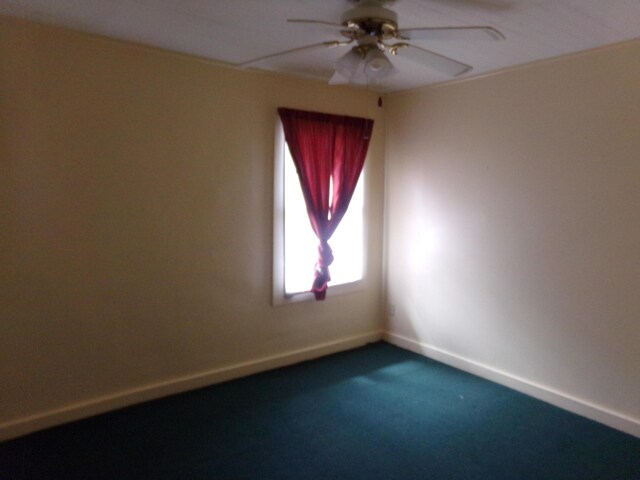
{"x":372,"y":30}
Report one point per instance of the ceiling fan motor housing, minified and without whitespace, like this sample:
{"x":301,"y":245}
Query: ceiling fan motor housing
{"x":370,"y":18}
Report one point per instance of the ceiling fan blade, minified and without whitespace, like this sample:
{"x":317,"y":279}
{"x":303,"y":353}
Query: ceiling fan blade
{"x":333,"y":43}
{"x":452,"y":33}
{"x":317,"y":22}
{"x":430,"y":59}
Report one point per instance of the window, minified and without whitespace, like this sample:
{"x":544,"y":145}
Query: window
{"x":295,"y":244}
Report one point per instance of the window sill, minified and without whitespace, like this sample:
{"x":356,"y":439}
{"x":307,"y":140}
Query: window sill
{"x":332,"y":291}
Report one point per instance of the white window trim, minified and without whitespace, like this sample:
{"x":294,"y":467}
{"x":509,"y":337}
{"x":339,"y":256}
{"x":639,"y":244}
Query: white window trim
{"x":279,"y":295}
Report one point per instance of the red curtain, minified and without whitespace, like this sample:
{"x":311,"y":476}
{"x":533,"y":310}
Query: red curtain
{"x":326,"y":149}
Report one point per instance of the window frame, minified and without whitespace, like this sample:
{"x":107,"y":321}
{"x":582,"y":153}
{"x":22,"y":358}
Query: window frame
{"x":280,"y":297}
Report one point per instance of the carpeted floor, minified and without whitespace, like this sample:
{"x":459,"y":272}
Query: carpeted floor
{"x":377,"y":412}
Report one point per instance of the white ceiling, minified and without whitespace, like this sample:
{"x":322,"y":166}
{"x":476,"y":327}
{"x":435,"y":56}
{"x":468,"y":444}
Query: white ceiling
{"x":235,"y":31}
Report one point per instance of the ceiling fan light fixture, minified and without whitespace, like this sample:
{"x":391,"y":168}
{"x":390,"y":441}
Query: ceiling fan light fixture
{"x":377,"y":65}
{"x":361,"y":65}
{"x":350,"y":64}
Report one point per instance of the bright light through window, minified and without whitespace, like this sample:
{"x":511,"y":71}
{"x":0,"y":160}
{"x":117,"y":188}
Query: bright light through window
{"x":301,"y":244}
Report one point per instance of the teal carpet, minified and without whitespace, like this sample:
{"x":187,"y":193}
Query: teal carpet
{"x":377,"y":412}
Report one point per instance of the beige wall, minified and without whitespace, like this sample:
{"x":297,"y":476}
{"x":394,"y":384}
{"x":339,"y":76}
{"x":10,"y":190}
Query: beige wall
{"x":136,"y":194}
{"x":514,"y":224}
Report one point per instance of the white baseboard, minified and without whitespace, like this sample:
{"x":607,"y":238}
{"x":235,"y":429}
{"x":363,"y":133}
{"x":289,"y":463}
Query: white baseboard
{"x":562,"y":400}
{"x":95,"y":406}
